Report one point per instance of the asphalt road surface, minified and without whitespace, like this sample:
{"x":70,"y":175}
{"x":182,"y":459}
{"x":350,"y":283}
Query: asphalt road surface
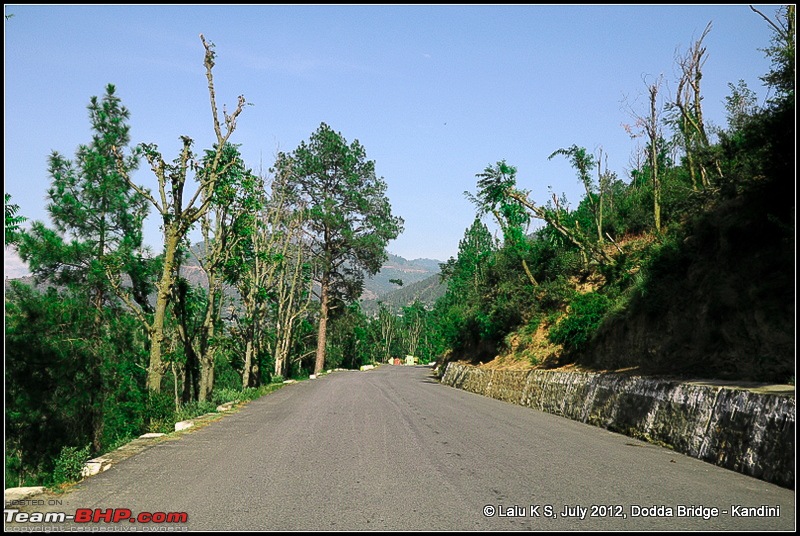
{"x":392,"y":449}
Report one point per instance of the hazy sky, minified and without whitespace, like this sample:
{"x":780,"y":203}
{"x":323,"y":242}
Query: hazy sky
{"x":434,"y":93}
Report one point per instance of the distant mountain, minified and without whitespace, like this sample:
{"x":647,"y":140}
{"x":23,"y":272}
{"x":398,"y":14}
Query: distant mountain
{"x":420,"y":279}
{"x":398,"y":268}
{"x":426,"y":291}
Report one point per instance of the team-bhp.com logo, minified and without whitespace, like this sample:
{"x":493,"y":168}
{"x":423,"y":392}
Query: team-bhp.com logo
{"x":97,"y":515}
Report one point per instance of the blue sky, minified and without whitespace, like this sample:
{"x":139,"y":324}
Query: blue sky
{"x":433,"y":93}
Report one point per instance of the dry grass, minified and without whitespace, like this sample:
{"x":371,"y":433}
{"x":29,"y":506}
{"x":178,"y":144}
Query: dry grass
{"x":526,"y":350}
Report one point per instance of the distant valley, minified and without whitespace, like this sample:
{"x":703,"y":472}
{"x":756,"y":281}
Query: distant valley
{"x":420,"y":278}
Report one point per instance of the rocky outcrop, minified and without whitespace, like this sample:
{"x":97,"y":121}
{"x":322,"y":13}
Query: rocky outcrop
{"x":742,"y":429}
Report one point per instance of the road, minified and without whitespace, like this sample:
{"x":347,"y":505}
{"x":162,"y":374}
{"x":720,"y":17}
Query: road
{"x":392,"y":449}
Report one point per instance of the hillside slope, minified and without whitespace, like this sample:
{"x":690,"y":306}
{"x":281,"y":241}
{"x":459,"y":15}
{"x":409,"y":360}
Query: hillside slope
{"x":720,"y":303}
{"x":426,"y":291}
{"x":397,"y":268}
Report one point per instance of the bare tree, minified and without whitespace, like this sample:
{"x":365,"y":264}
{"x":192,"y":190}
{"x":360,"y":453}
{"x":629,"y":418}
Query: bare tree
{"x":604,"y":180}
{"x":294,"y":285}
{"x":653,"y":129}
{"x":178,"y":216}
{"x":649,"y":126}
{"x":689,"y":111}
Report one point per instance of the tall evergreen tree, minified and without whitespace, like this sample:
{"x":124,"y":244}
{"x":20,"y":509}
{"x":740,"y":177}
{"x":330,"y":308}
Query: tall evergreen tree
{"x":98,"y":232}
{"x":349,"y":217}
{"x":465,"y":274}
{"x":97,"y":216}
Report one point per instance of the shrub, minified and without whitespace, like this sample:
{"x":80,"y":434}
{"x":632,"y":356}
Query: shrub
{"x":225,"y":395}
{"x":160,"y":412}
{"x":194,"y":409}
{"x":225,"y":375}
{"x":221,"y":396}
{"x":69,"y":465}
{"x":584,"y":317}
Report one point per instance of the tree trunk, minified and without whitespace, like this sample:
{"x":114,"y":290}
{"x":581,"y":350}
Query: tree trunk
{"x":155,"y":371}
{"x":323,"y":325}
{"x":279,"y":359}
{"x":656,"y":186}
{"x":190,"y":375}
{"x":206,"y":381}
{"x":288,"y":311}
{"x":653,"y":134}
{"x":529,"y":273}
{"x":248,"y":363}
{"x":207,"y":348}
{"x":96,"y":408}
{"x":602,"y":181}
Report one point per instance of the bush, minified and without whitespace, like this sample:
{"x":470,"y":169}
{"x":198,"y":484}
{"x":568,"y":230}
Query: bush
{"x":221,"y":396}
{"x":225,"y":375}
{"x":252,"y":393}
{"x":160,"y":413}
{"x":16,"y":473}
{"x":555,"y":293}
{"x":584,"y":317}
{"x":69,"y":465}
{"x":194,"y":409}
{"x":225,"y":395}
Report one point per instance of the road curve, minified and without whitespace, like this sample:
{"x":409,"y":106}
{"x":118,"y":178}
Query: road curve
{"x":392,"y":449}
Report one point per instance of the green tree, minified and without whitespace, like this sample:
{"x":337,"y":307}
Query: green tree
{"x":98,"y":228}
{"x":782,"y":77}
{"x":415,"y":319}
{"x":13,"y":221}
{"x":389,"y":329}
{"x":67,"y":383}
{"x":353,"y":339}
{"x":465,"y":274}
{"x":349,"y":217}
{"x":584,"y":164}
{"x":461,"y":318}
{"x":178,"y":216}
{"x":294,"y":292}
{"x":509,"y":213}
{"x":266,"y":260}
{"x":760,"y":142}
{"x":740,"y":106}
{"x":497,"y":190}
{"x":98,"y":217}
{"x":236,"y":198}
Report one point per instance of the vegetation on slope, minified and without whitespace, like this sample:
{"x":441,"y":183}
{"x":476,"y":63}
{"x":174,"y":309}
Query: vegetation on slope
{"x":686,"y":270}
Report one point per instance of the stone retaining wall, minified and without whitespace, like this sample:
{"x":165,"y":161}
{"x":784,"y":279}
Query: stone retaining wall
{"x":738,"y":429}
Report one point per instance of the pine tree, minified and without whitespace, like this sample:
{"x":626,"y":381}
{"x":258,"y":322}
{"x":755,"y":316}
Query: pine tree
{"x":97,"y":216}
{"x":349,"y":217}
{"x":97,"y":236}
